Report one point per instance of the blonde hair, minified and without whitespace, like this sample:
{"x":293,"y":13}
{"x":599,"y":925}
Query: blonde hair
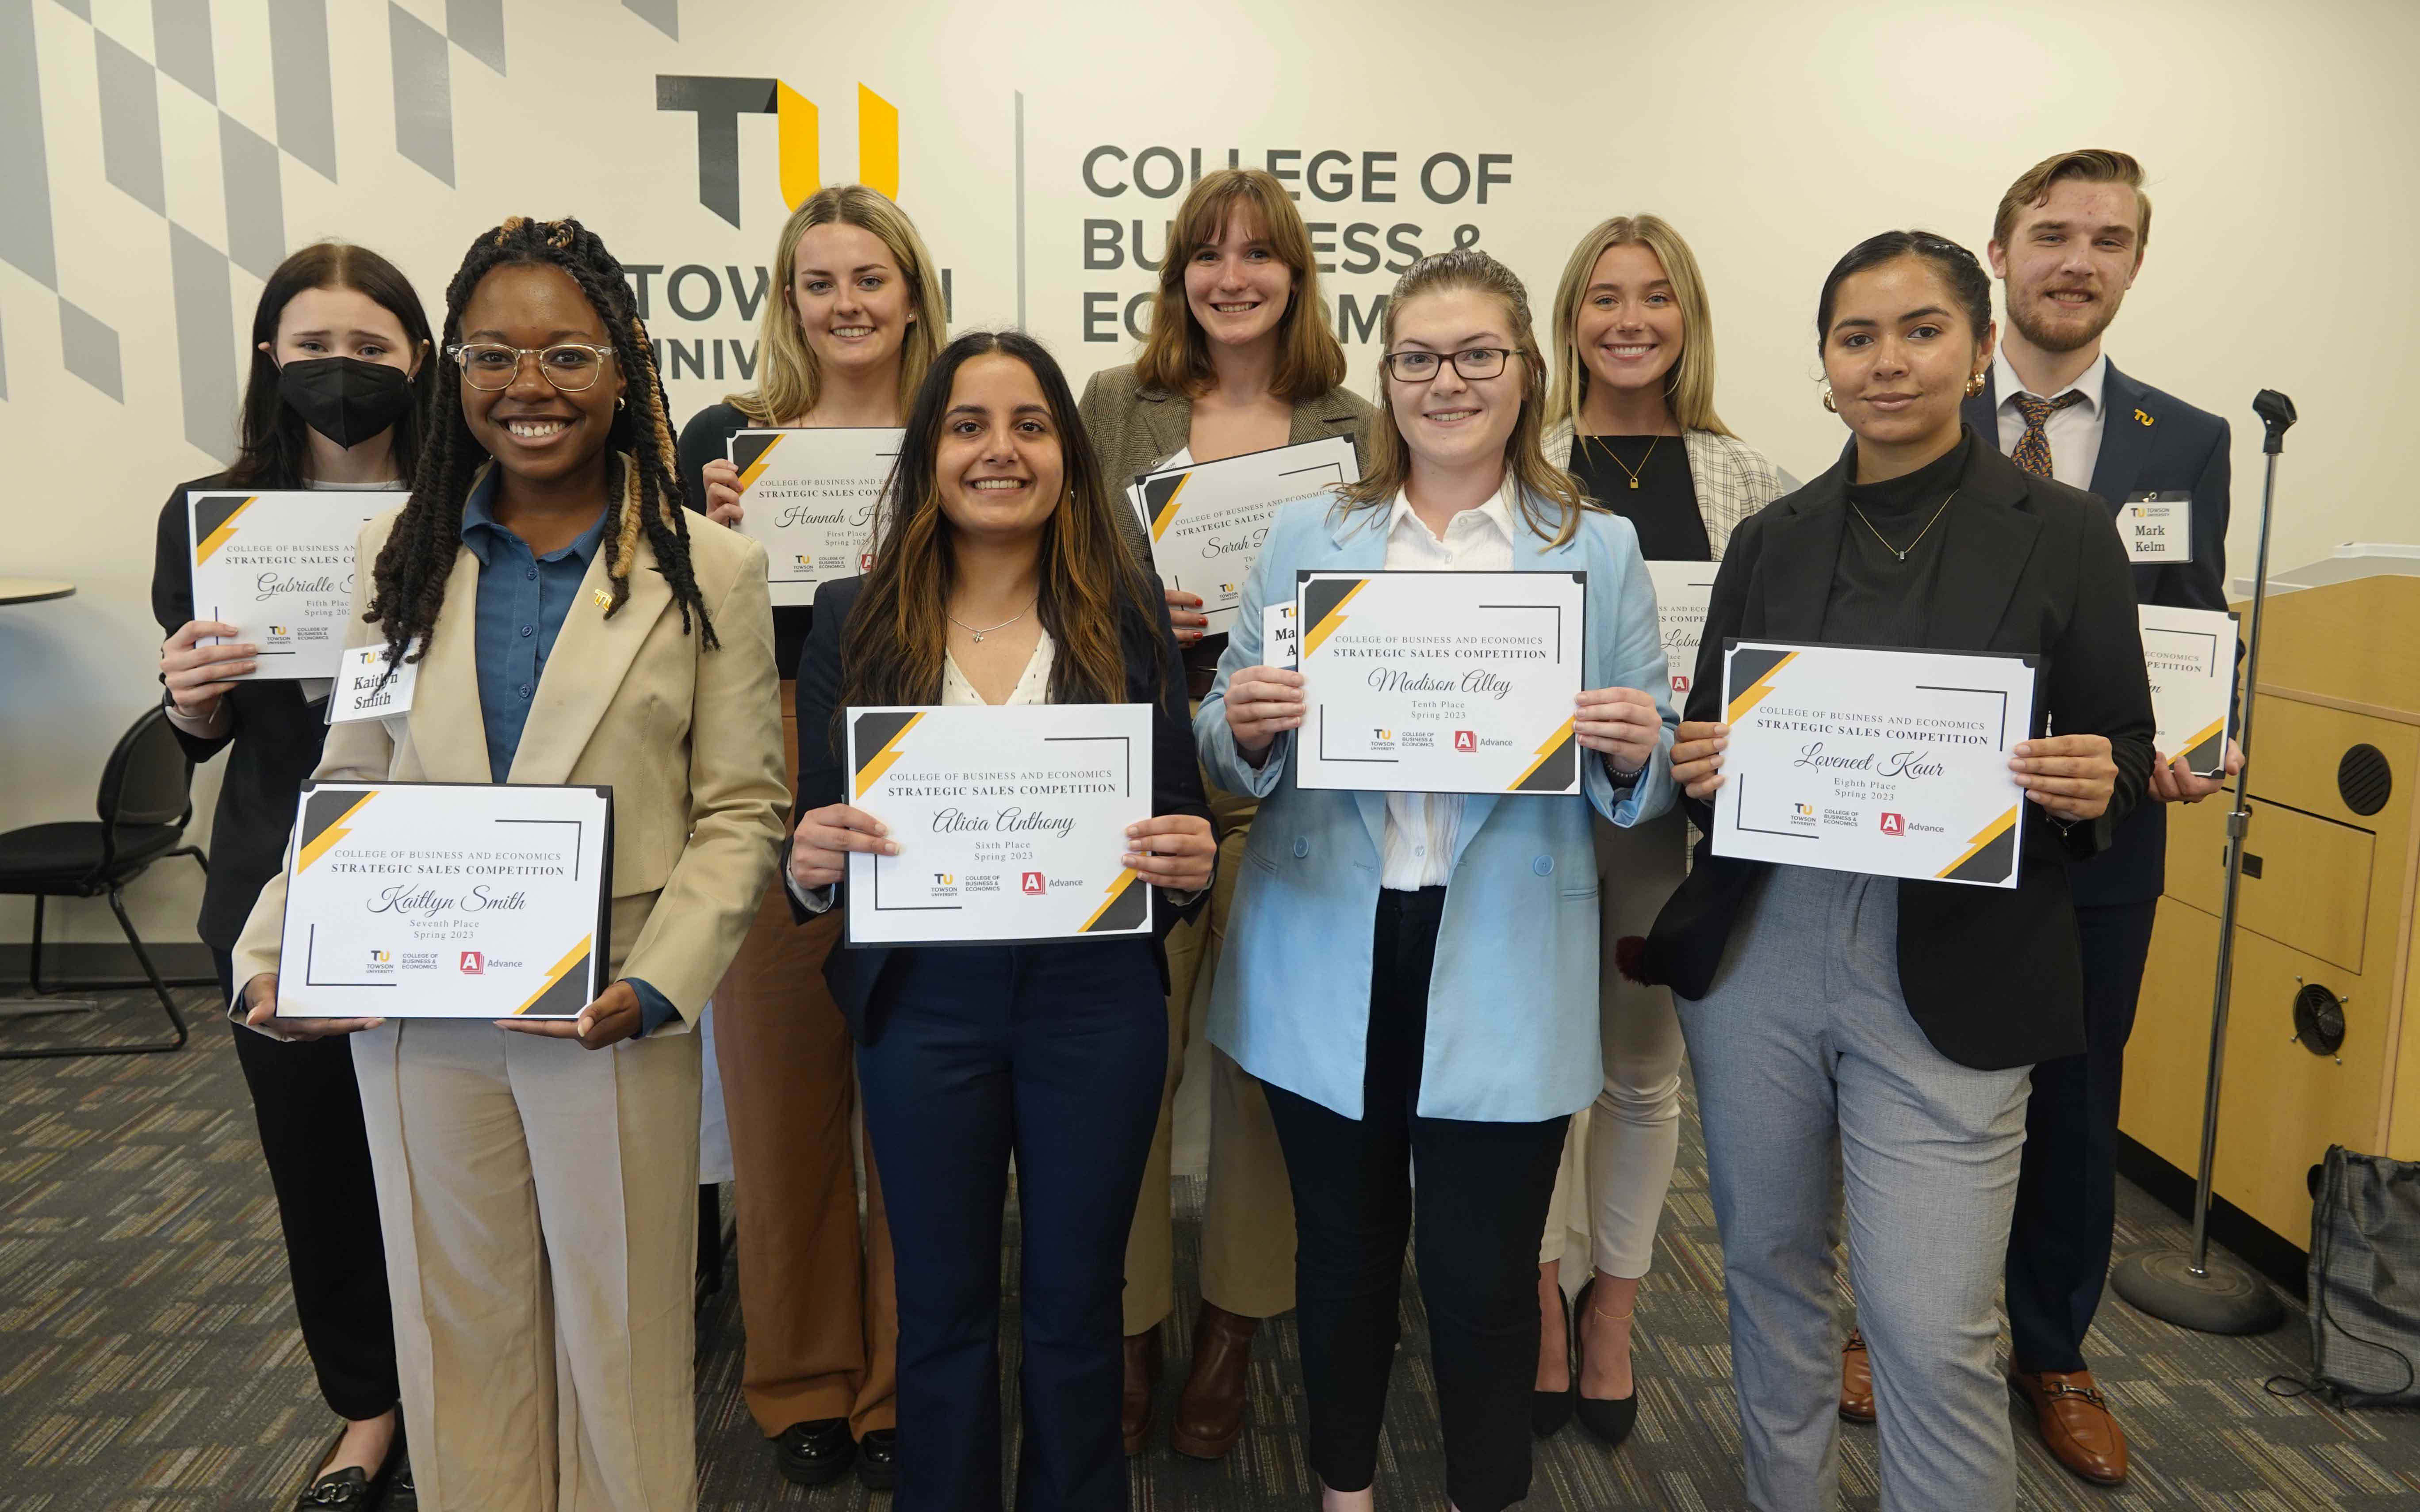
{"x":792,"y":381}
{"x":2094,"y":165}
{"x":1689,"y":383}
{"x":1524,"y":457}
{"x":1176,"y":356}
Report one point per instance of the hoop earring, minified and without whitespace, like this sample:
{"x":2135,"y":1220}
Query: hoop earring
{"x":1974,"y":385}
{"x":622,"y":404}
{"x":1828,"y":404}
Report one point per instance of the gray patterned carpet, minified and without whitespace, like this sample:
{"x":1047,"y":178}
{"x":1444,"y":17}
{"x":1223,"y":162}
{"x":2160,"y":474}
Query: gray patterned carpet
{"x":148,"y":1358}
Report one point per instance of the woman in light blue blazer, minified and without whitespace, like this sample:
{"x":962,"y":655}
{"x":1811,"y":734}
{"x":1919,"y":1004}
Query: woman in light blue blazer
{"x":1413,"y":976}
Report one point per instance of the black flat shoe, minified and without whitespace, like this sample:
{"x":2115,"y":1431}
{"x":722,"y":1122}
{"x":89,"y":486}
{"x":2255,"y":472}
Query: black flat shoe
{"x":1550,"y":1409}
{"x":878,"y":1459}
{"x":355,"y":1489}
{"x":402,"y":1495}
{"x":1609,"y":1418}
{"x":810,"y":1454}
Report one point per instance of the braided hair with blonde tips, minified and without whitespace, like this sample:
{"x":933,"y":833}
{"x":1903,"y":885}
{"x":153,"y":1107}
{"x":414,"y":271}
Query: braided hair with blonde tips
{"x":409,"y":577}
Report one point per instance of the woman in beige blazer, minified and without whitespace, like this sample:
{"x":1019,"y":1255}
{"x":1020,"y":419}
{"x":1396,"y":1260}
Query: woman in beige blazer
{"x":1241,"y":358}
{"x":538,"y":1195}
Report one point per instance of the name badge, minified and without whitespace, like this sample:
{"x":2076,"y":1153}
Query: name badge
{"x":1277,"y":638}
{"x":358,"y":695}
{"x":2157,"y":526}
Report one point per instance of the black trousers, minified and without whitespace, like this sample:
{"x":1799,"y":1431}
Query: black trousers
{"x":309,"y":1110}
{"x":1052,"y":1053}
{"x":1480,"y":1204}
{"x":2067,"y":1189}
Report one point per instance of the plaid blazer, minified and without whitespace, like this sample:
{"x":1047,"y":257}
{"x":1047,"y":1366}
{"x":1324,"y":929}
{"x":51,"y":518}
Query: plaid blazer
{"x":1733,"y":479}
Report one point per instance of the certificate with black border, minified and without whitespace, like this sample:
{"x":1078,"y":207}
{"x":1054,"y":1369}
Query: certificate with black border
{"x":279,"y":567}
{"x":2189,"y":654}
{"x":1207,"y":520}
{"x":808,"y":495}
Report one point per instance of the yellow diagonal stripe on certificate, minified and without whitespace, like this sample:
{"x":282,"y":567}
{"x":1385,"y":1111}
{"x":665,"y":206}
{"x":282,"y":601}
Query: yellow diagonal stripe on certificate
{"x":1983,"y":837}
{"x":555,"y":973}
{"x":883,"y":760}
{"x":1118,"y":885}
{"x":1330,"y":621}
{"x":1754,"y":693}
{"x":1554,"y":743}
{"x":1167,"y":515}
{"x":756,"y":469}
{"x":326,"y":839}
{"x":218,"y":538}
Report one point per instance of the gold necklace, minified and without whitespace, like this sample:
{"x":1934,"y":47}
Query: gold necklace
{"x":990,"y":628}
{"x":1919,"y":535}
{"x":1626,"y":467}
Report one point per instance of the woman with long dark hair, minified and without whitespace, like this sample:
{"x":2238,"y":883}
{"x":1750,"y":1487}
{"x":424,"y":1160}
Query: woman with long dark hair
{"x":342,"y":372}
{"x":1000,"y":578}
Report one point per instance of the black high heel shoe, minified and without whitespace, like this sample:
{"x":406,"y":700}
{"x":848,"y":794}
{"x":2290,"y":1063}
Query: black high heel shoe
{"x":1550,"y":1409}
{"x":1609,"y":1418}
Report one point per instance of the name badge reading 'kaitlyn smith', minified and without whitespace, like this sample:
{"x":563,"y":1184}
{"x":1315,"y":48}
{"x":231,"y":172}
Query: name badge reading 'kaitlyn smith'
{"x":363,"y":691}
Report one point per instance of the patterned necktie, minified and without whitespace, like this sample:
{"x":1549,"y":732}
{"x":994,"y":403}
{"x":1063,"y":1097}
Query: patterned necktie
{"x":2033,"y":447}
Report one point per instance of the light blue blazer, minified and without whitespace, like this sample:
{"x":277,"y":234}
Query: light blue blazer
{"x":1513,"y":1002}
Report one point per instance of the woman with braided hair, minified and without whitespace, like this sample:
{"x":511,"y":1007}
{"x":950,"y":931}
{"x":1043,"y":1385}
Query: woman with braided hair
{"x":571,"y":624}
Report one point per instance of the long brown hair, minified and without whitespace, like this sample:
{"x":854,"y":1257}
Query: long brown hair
{"x":1177,"y":357}
{"x":1689,"y":383}
{"x":1539,"y":480}
{"x":272,"y":438}
{"x":1090,"y":588}
{"x":792,"y":381}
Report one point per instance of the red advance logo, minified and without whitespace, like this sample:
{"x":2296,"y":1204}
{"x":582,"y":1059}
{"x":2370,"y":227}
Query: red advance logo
{"x":1033,"y":882}
{"x":1894,"y":824}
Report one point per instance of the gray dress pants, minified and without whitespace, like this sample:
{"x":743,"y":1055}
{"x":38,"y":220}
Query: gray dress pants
{"x":1805,"y":1054}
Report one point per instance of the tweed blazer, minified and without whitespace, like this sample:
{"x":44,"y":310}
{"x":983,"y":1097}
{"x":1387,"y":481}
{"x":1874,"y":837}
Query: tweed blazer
{"x":1135,"y":427}
{"x":1733,"y":480}
{"x":689,"y":739}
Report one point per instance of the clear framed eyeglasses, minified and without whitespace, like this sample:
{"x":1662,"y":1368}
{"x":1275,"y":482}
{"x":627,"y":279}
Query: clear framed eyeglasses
{"x":569,"y":365}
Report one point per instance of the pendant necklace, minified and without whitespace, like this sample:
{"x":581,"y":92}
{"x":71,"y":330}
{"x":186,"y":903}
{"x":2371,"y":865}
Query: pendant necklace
{"x":1878,"y":535}
{"x":1624,"y":465}
{"x":1002,"y":625}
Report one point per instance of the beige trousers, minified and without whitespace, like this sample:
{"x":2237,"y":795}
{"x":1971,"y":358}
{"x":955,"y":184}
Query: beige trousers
{"x":1248,"y":1217}
{"x":539,"y":1203}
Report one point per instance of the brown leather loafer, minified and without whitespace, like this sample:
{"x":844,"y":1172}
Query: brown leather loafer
{"x":1856,"y":1381}
{"x":2076,"y":1425}
{"x":1142,"y":1379}
{"x":1210,"y":1414}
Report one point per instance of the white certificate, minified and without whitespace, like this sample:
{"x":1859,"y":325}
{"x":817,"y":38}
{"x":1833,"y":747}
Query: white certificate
{"x":1892,"y":763}
{"x":279,"y":567}
{"x":446,"y":900}
{"x":1011,"y":821}
{"x":1682,"y":592}
{"x":1440,"y":682}
{"x":1207,"y":522}
{"x":809,"y":497}
{"x":2157,"y":526}
{"x":2189,"y":654}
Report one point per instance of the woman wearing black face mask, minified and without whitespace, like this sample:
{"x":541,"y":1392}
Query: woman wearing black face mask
{"x":340,"y":380}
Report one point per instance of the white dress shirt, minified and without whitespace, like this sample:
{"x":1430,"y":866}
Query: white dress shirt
{"x":2074,"y":432}
{"x":1423,"y":827}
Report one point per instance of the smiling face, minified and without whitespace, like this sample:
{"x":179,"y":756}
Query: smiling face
{"x":999,"y":467}
{"x":532,"y":428}
{"x":1629,"y":328}
{"x":1451,"y":422}
{"x":1899,"y":353}
{"x":341,"y":322}
{"x":852,"y":301}
{"x":1236,"y":285}
{"x":2070,"y":261}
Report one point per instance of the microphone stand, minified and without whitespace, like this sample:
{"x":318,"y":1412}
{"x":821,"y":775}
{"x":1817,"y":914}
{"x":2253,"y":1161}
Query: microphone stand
{"x":2177,"y":1287}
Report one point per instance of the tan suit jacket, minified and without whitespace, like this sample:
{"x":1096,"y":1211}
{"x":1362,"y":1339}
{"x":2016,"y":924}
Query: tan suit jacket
{"x":689,"y":740}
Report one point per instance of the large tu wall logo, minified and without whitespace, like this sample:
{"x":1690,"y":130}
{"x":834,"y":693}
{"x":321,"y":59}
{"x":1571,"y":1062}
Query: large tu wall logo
{"x":718,"y":102}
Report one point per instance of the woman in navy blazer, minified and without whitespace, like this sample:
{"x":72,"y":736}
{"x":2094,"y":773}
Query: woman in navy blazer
{"x":1001,"y":579}
{"x":1375,"y":936}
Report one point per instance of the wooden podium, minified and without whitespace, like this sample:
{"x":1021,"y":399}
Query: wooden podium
{"x":2324,"y":932}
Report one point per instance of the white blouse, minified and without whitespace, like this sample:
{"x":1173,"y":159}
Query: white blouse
{"x":1032,"y":686}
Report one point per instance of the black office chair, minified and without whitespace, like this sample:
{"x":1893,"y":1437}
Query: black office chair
{"x":146,"y":801}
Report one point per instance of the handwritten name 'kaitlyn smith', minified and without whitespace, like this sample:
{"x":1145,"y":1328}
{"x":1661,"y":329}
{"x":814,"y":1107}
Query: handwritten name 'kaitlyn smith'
{"x":1007,"y":822}
{"x":1910,"y":763}
{"x":429,"y":901}
{"x":1478,"y":680}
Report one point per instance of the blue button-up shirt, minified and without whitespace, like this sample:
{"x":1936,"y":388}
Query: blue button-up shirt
{"x":522,"y":600}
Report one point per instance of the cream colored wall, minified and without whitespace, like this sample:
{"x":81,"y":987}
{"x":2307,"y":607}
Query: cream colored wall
{"x":2280,"y":140}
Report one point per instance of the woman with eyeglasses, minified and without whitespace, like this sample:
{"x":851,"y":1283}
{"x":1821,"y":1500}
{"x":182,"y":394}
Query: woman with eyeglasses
{"x":571,"y":624}
{"x":1413,"y":976}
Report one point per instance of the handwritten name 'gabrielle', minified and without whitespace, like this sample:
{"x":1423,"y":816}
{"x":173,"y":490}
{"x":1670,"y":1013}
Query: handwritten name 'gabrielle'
{"x":1011,"y":821}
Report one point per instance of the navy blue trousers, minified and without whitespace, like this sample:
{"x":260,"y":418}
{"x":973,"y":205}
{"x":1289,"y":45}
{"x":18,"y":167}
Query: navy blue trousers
{"x":1052,"y":1053}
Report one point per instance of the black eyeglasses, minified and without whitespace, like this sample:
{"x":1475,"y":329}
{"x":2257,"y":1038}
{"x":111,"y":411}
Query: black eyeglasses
{"x":1471,"y":362}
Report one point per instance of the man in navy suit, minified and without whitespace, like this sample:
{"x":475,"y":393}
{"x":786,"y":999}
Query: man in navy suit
{"x":2067,"y":245}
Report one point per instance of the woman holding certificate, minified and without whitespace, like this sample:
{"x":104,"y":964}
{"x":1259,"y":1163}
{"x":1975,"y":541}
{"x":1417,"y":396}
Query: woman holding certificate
{"x":853,"y":327}
{"x":1001,"y":581}
{"x":1896,"y":1021}
{"x":1631,"y":415}
{"x":1375,"y":932}
{"x":1241,"y":359}
{"x":342,"y":371}
{"x":563,"y":622}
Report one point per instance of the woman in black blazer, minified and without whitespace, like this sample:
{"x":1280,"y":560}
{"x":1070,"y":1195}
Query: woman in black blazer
{"x":341,"y":379}
{"x":1895,"y":1022}
{"x":1001,"y":579}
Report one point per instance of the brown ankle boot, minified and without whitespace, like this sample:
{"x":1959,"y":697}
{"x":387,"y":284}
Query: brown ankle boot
{"x":1210,"y":1414}
{"x":1142,"y":1379}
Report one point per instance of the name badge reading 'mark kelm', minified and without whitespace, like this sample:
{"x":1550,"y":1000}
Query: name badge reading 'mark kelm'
{"x":2157,"y":526}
